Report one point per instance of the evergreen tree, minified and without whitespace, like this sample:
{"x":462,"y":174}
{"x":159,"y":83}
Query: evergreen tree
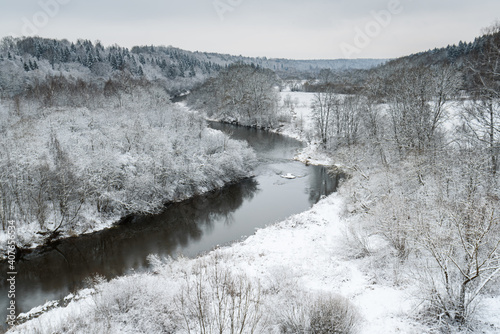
{"x":38,"y":50}
{"x":113,"y":62}
{"x":142,"y":60}
{"x":163,"y":64}
{"x":90,"y":60}
{"x":171,"y":73}
{"x":66,"y":55}
{"x":120,"y":63}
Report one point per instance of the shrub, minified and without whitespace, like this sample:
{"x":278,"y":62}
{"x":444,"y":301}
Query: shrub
{"x":332,"y":314}
{"x":215,"y":300}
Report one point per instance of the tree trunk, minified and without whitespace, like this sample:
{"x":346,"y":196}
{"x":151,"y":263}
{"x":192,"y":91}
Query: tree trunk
{"x":494,"y":165}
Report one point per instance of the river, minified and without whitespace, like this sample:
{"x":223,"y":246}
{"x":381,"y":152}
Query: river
{"x":190,"y":228}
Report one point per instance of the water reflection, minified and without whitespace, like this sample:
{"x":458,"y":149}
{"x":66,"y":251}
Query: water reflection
{"x":322,"y":183}
{"x":267,"y":145}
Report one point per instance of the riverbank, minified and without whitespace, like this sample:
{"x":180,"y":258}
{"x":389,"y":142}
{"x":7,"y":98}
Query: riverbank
{"x":291,"y":262}
{"x":289,"y":277}
{"x":315,"y":265}
{"x":186,"y":228}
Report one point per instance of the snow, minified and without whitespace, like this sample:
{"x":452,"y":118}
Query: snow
{"x":303,"y":253}
{"x":307,"y":247}
{"x":490,"y":308}
{"x":299,"y":108}
{"x":123,"y":155}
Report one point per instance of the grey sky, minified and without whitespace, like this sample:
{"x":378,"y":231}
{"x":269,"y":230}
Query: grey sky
{"x":273,"y":28}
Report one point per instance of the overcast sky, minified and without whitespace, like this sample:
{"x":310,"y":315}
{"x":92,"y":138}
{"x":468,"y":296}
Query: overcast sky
{"x":273,"y":28}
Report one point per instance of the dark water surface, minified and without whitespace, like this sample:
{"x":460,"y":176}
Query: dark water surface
{"x":189,"y":228}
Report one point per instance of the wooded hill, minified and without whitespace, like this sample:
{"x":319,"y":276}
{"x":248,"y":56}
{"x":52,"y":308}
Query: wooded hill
{"x":28,"y":63}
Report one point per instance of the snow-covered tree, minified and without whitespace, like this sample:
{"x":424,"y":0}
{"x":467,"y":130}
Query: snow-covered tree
{"x":482,"y":113}
{"x":418,"y":98}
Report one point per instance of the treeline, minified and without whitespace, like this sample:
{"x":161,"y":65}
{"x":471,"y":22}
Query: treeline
{"x":27,"y":63}
{"x":405,"y":104}
{"x":171,"y":61}
{"x":120,"y":90}
{"x":72,"y":170}
{"x":352,"y":81}
{"x":455,"y":53}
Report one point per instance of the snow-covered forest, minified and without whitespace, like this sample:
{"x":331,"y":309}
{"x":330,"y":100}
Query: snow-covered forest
{"x":410,"y":243}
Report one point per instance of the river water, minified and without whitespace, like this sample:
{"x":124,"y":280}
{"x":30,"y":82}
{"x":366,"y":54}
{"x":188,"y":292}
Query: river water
{"x":190,"y":228}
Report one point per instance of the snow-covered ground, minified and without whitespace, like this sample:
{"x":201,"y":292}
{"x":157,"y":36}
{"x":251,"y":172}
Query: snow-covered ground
{"x":314,"y":253}
{"x":303,"y":254}
{"x":301,"y":127}
{"x":297,"y":105}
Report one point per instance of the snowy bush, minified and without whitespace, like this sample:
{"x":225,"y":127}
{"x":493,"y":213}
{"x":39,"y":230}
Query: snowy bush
{"x":395,"y":224}
{"x":215,"y":300}
{"x":134,"y":304}
{"x":331,"y":314}
{"x":357,"y":241}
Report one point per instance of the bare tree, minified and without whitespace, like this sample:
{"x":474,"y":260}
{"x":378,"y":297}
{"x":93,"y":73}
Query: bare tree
{"x":242,"y":93}
{"x":323,"y":106}
{"x":337,"y":118}
{"x":347,"y":120}
{"x":417,"y":98}
{"x":215,"y":300}
{"x":463,"y":240}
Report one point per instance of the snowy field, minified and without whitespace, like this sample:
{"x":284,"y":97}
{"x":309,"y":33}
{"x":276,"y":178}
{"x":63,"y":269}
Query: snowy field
{"x":298,"y":106}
